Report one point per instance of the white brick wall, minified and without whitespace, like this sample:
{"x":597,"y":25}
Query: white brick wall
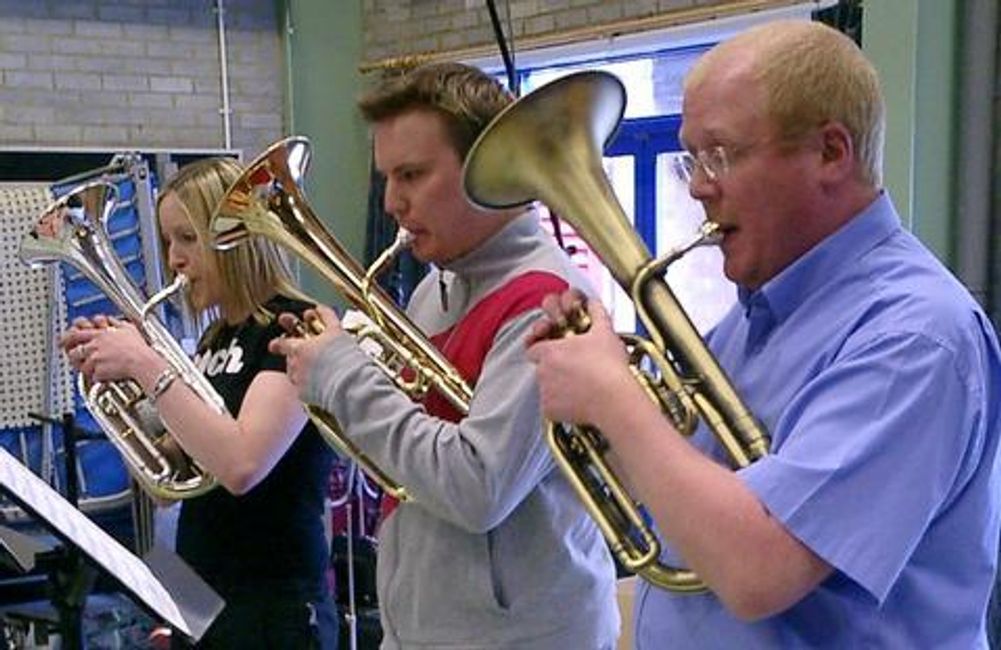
{"x":138,"y":74}
{"x":400,"y":27}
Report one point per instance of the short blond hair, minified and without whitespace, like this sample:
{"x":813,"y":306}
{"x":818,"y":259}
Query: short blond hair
{"x":811,"y":74}
{"x":250,"y":273}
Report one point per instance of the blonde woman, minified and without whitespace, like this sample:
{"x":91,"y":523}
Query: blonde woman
{"x":258,"y":540}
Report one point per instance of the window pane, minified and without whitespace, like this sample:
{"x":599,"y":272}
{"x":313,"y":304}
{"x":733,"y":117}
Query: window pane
{"x":653,"y":82}
{"x":620,"y":171}
{"x":697,"y":279}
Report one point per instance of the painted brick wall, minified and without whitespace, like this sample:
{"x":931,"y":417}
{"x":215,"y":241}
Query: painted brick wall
{"x":138,"y":74}
{"x":400,"y":27}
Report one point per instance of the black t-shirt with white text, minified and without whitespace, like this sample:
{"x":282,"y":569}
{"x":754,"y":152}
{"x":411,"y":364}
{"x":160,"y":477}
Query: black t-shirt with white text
{"x":271,"y":539}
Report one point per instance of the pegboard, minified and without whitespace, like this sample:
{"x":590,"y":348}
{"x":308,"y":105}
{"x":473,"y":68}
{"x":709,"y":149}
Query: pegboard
{"x":40,"y":301}
{"x":35,"y":377}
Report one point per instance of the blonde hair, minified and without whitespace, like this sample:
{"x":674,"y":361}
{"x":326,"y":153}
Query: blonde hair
{"x":465,"y":97}
{"x":811,"y":74}
{"x":251,"y":273}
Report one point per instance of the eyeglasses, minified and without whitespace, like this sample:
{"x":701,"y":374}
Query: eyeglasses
{"x":713,"y":163}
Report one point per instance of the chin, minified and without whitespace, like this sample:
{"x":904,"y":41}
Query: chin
{"x":427,"y":254}
{"x":420,"y":256}
{"x":733,"y":274}
{"x":197,"y":302}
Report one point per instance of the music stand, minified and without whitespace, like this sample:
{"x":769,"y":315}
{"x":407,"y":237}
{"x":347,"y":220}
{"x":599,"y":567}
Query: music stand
{"x":161,"y":583}
{"x":20,"y":550}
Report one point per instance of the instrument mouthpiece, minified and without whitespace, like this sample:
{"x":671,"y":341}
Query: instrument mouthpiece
{"x":404,"y":237}
{"x":180,"y":282}
{"x":710,"y":231}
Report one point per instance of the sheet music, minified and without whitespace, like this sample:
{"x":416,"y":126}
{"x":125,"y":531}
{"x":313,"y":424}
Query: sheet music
{"x":36,"y":495}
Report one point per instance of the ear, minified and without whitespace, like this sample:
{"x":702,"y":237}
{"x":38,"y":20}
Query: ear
{"x":837,"y":152}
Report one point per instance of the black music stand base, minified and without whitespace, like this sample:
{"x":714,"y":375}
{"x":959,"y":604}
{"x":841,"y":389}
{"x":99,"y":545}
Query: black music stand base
{"x":71,"y":579}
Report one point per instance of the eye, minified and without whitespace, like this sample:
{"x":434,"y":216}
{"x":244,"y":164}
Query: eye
{"x":410,"y":174}
{"x":182,"y":238}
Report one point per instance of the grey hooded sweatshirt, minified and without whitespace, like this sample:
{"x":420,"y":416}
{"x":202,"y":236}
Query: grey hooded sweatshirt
{"x":494,"y":550}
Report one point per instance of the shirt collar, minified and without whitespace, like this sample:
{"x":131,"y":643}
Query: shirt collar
{"x":825,"y":262}
{"x":500,"y":251}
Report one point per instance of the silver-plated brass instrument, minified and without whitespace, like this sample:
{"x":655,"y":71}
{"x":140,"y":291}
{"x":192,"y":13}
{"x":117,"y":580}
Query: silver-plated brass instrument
{"x":268,"y":200}
{"x":74,"y":230}
{"x":547,"y":146}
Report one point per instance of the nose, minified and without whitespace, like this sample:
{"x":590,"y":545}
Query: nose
{"x":392,"y":201}
{"x":701,"y":187}
{"x":175,"y":261}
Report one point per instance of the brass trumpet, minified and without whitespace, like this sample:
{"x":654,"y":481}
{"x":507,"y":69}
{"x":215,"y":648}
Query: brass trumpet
{"x":74,"y":230}
{"x":547,"y":146}
{"x":268,"y":200}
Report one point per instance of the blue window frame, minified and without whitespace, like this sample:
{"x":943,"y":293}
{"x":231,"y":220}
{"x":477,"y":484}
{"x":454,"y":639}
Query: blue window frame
{"x":644,"y":139}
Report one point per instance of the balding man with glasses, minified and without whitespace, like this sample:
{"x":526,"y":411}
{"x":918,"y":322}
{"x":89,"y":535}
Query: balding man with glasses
{"x":873,"y":521}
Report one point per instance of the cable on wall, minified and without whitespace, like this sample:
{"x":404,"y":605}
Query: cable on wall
{"x":507,"y":54}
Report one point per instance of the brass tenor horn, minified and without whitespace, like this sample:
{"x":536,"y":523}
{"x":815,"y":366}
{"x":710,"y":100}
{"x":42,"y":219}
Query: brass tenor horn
{"x":547,"y":146}
{"x":74,"y":230}
{"x":268,"y":200}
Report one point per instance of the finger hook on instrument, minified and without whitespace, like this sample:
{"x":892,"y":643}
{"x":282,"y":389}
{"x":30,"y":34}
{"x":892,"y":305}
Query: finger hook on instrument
{"x":292,"y":324}
{"x":313,"y":323}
